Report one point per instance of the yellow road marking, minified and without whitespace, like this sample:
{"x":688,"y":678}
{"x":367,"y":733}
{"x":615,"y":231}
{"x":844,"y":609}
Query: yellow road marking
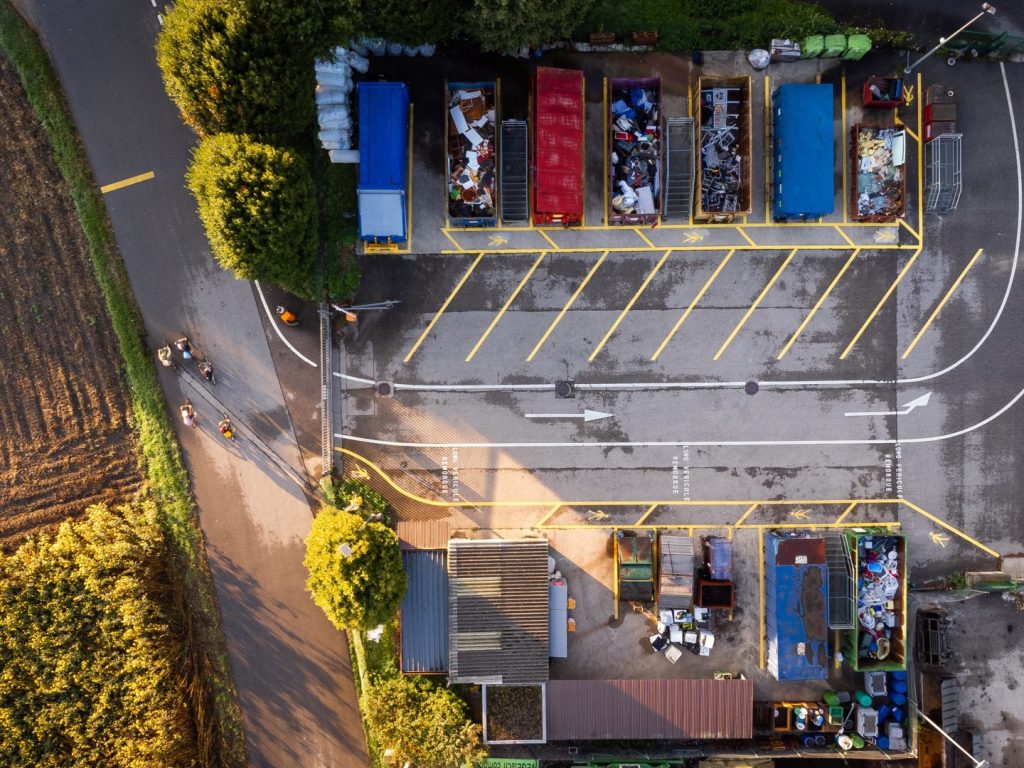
{"x":908,"y":129}
{"x":629,"y":306}
{"x":908,"y":92}
{"x":941,"y":304}
{"x":817,"y":305}
{"x":909,"y":228}
{"x":760,"y":596}
{"x":704,"y":225}
{"x":844,"y":141}
{"x":747,"y":237}
{"x":843,"y":235}
{"x":507,"y":304}
{"x":702,"y":248}
{"x":846,"y":512}
{"x":548,"y":516}
{"x":127,"y":182}
{"x":767,"y":148}
{"x":878,"y":306}
{"x":689,"y":112}
{"x":565,"y":309}
{"x":754,"y":306}
{"x":920,"y":174}
{"x":444,"y":306}
{"x":606,"y":179}
{"x":744,"y":516}
{"x":544,"y":234}
{"x":689,"y":309}
{"x":643,"y":237}
{"x":646,"y":514}
{"x":452,"y":240}
{"x":950,"y":528}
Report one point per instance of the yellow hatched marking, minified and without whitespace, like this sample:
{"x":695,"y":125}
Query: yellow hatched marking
{"x":689,"y":309}
{"x":507,"y":304}
{"x":950,"y":528}
{"x":920,"y":169}
{"x":941,"y":304}
{"x":605,"y":179}
{"x":845,"y":237}
{"x":844,"y":141}
{"x":846,"y":512}
{"x":565,"y":309}
{"x":767,"y":147}
{"x":747,"y":237}
{"x":817,"y":305}
{"x":452,"y":240}
{"x":760,"y":596}
{"x":643,"y":237}
{"x":127,"y":182}
{"x":436,"y":317}
{"x":909,"y":229}
{"x":629,"y":306}
{"x":754,"y":306}
{"x":744,"y":516}
{"x":554,"y":245}
{"x":548,"y":516}
{"x":646,"y":514}
{"x":878,"y":306}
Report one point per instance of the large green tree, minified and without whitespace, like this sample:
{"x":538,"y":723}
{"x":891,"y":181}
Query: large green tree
{"x":87,"y":667}
{"x":258,"y":204}
{"x":507,"y":25}
{"x":355,"y":569}
{"x":424,"y":724}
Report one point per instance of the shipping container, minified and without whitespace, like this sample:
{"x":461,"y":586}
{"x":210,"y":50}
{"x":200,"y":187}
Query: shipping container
{"x":878,"y":641}
{"x":383,"y":161}
{"x":803,"y":155}
{"x":634,"y":151}
{"x":723,"y":126}
{"x":796,"y":606}
{"x":471,"y":153}
{"x":558,"y":113}
{"x":878,"y":178}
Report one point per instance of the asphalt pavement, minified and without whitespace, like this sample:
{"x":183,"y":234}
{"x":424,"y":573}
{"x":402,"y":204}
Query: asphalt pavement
{"x":292,"y":669}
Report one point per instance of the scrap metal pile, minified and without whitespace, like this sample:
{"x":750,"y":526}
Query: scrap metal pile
{"x":472,"y":152}
{"x":721,"y":167}
{"x":636,"y":150}
{"x":879,"y":180}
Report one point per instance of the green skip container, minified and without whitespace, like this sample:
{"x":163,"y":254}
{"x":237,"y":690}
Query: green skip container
{"x":835,"y":46}
{"x":812,"y":46}
{"x":857,"y":47}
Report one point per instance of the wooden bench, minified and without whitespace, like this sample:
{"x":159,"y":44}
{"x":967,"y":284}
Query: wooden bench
{"x":644,"y":38}
{"x":602,"y":38}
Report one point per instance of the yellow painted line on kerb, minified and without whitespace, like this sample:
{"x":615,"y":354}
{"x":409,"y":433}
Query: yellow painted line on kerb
{"x":920,"y":172}
{"x":568,"y":304}
{"x":606,"y":179}
{"x":844,"y":140}
{"x":629,"y":306}
{"x":846,"y":512}
{"x":127,"y":182}
{"x":767,"y":147}
{"x":941,"y":304}
{"x":689,"y":309}
{"x":507,"y":304}
{"x":881,"y":303}
{"x":754,"y":306}
{"x":760,"y":597}
{"x":817,"y":305}
{"x":435,"y":318}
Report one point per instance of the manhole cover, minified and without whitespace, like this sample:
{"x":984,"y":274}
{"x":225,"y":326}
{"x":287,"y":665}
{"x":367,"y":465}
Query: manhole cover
{"x":385,"y":388}
{"x":565,"y":389}
{"x":751,"y":388}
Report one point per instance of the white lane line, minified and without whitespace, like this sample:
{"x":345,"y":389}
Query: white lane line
{"x":273,"y":323}
{"x":702,"y":443}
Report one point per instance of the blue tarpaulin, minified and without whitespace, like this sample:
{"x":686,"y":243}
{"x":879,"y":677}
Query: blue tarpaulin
{"x":796,"y":616}
{"x":803,"y":154}
{"x":383,"y":159}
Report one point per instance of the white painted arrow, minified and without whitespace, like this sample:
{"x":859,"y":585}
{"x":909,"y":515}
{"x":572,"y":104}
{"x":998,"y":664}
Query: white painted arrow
{"x":587,"y":415}
{"x":917,"y":402}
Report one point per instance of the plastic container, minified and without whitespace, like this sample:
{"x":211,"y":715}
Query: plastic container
{"x":812,"y":46}
{"x":899,"y":699}
{"x":835,"y":46}
{"x":863,"y":699}
{"x":858,"y":740}
{"x":857,"y":47}
{"x":830,"y":698}
{"x":882,"y":742}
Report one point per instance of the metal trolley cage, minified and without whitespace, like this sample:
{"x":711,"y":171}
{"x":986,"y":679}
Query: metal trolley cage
{"x":842,"y":607}
{"x":943,"y":175}
{"x":679,"y":168}
{"x":513,"y":191}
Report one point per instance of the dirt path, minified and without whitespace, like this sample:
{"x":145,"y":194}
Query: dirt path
{"x":65,"y":437}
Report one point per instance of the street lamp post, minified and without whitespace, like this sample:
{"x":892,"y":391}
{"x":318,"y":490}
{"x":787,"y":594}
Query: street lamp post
{"x":985,"y":8}
{"x":349,"y":312}
{"x":947,"y":737}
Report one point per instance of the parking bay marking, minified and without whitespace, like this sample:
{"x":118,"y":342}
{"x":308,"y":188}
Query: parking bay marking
{"x":757,"y":301}
{"x":689,"y":309}
{"x":508,"y":303}
{"x":568,"y":304}
{"x":444,"y":306}
{"x":629,"y":306}
{"x":941,"y":304}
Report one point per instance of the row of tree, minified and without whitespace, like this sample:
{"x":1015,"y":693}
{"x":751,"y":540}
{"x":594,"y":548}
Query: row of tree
{"x":87,"y":660}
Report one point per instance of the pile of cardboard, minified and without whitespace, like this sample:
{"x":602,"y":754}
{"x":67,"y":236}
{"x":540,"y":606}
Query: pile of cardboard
{"x":472,"y":152}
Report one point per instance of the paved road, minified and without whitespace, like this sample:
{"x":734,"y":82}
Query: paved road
{"x":291,"y":667}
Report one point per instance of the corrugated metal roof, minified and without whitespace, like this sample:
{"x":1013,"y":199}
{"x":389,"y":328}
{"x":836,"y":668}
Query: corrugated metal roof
{"x":650,"y":709}
{"x":423,"y":534}
{"x":425,"y":612}
{"x":498,"y":611}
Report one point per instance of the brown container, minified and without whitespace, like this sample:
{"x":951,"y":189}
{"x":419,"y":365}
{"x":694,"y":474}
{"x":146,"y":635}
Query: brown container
{"x":738,"y":90}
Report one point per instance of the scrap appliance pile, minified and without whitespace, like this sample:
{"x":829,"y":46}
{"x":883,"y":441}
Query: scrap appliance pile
{"x":472,"y":151}
{"x":721,"y":163}
{"x":636,"y":150}
{"x":880,"y":181}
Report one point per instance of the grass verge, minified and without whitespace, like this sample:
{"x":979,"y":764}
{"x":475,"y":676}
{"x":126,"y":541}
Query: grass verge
{"x":209,"y":687}
{"x":372,"y":660}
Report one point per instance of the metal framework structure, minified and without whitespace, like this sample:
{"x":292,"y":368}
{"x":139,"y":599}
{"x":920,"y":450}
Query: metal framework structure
{"x":943,"y":176}
{"x":679,"y":168}
{"x":514,"y":192}
{"x":841,"y":598}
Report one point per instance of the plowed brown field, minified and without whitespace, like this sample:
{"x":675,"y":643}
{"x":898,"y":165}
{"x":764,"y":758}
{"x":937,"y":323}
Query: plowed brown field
{"x":65,"y":438}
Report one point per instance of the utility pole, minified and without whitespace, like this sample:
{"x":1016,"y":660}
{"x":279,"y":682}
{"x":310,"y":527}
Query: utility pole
{"x":985,"y":8}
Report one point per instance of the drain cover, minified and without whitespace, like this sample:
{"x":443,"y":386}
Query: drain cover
{"x":565,"y":389}
{"x":385,"y":388}
{"x":751,"y":388}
